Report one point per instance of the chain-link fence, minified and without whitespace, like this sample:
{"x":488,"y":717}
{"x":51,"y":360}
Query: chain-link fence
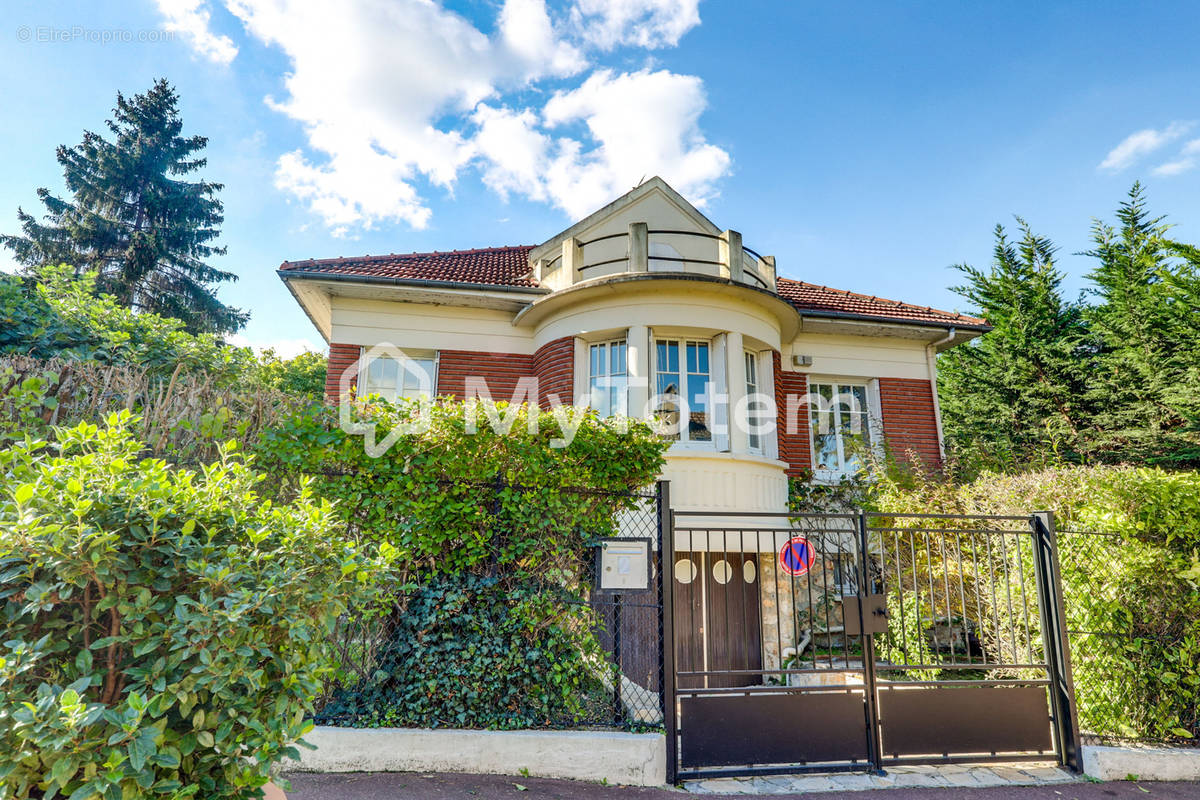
{"x":487,"y":650}
{"x":1126,"y":687}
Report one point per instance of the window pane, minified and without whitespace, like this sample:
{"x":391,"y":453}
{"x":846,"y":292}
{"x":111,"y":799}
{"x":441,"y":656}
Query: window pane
{"x":825,"y":446}
{"x":666,"y":380}
{"x":698,"y":381}
{"x":617,"y":359}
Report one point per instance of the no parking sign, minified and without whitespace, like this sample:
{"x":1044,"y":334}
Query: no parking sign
{"x":797,"y":556}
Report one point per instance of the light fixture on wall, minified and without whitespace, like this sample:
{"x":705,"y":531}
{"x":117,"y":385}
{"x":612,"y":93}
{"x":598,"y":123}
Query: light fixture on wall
{"x":802,"y":361}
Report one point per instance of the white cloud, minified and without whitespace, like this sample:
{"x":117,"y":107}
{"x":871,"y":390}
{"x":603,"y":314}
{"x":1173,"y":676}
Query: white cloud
{"x":640,"y":23}
{"x":644,"y":124}
{"x":396,"y":97}
{"x":1142,"y":143}
{"x":191,"y":19}
{"x":638,"y":124}
{"x":1188,"y":158}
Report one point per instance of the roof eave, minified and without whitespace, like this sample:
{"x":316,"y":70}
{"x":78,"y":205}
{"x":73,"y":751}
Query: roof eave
{"x":920,"y":323}
{"x":383,"y":280}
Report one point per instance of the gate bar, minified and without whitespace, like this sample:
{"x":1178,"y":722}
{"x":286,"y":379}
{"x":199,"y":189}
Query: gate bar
{"x":1054,"y":637}
{"x":874,"y":746}
{"x":666,"y":626}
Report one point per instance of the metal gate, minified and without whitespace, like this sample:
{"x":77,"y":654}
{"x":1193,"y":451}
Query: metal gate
{"x":827,"y":642}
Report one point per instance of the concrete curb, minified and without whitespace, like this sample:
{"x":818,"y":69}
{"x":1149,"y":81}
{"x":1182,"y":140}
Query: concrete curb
{"x":632,"y":759}
{"x":1146,"y":763}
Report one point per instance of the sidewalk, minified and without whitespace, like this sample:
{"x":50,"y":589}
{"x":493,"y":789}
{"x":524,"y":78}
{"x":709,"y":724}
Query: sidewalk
{"x":411,"y":786}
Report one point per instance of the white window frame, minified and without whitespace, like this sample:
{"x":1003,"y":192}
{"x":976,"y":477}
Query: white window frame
{"x":681,"y":341}
{"x":623,"y":389}
{"x":415,"y":355}
{"x":872,"y":417}
{"x":755,"y":442}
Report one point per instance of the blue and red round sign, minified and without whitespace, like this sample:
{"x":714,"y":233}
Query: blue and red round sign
{"x":797,"y":556}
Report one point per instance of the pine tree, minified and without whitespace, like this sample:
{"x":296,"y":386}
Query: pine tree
{"x":133,"y":219}
{"x":1014,"y":396}
{"x":1147,"y":332}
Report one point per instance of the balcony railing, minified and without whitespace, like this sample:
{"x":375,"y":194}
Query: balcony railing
{"x":641,"y":249}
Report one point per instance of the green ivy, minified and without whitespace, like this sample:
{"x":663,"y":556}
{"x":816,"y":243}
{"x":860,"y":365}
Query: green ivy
{"x":493,"y":535}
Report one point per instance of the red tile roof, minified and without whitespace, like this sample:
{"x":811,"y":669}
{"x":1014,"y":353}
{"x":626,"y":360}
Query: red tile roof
{"x":509,"y":266}
{"x":811,"y":298}
{"x":490,"y":266}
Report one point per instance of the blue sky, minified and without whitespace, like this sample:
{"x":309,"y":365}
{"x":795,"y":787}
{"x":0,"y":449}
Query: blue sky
{"x":868,"y":145}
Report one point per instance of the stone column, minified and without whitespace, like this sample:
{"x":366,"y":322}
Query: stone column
{"x":639,"y":247}
{"x":730,"y":255}
{"x":572,"y":260}
{"x":637,"y":360}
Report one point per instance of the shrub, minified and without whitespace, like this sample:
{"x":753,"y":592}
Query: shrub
{"x":164,"y":631}
{"x":1132,"y":597}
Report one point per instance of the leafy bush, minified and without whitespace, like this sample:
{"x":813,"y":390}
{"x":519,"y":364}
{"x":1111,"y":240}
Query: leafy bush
{"x":60,"y":316}
{"x":493,"y":535}
{"x":1132,"y":596}
{"x":164,"y":631}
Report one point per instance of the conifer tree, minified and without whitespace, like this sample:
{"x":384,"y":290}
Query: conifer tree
{"x":134,"y":219}
{"x":1148,"y":334}
{"x":1014,"y":396}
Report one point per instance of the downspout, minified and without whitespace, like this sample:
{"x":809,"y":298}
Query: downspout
{"x":931,"y":360}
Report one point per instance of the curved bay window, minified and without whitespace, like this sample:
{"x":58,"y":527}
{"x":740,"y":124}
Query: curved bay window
{"x":682,"y":381}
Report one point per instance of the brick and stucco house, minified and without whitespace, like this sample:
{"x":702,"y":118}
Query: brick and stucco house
{"x":643,"y":299}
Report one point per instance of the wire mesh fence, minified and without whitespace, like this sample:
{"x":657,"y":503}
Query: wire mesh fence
{"x":1124,"y":690}
{"x":490,"y":650}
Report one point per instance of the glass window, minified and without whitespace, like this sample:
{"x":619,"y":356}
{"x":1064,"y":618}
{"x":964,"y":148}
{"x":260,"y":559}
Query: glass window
{"x":683,"y":387}
{"x":393,"y":379}
{"x":608,"y":378}
{"x":841,"y":425}
{"x":753,"y":436}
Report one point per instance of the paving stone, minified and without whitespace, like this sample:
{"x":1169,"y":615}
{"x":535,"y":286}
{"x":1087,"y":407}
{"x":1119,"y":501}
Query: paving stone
{"x":1012,"y":775}
{"x":986,"y":776}
{"x":1049,"y":775}
{"x":918,"y":779}
{"x":802,"y":784}
{"x":854,"y":781}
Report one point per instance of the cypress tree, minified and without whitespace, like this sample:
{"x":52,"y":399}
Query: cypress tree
{"x":1013,"y":397}
{"x":1147,"y":331}
{"x":133,"y":218}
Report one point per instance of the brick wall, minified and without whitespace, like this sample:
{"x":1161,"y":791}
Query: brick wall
{"x":910,"y":420}
{"x":500,"y":370}
{"x":554,"y":366}
{"x":341,"y":358}
{"x":793,"y":447}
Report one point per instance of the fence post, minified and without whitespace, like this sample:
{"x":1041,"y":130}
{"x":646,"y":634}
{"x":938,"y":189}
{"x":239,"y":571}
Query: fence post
{"x":874,"y":746}
{"x":1054,"y":639}
{"x":666,"y":625}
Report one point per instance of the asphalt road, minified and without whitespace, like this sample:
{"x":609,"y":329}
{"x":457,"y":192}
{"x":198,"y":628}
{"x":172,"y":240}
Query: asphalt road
{"x":411,"y":786}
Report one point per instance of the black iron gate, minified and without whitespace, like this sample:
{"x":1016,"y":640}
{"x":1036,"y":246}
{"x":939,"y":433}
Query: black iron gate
{"x":825,"y":642}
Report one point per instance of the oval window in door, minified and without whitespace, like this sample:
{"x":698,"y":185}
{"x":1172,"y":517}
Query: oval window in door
{"x":749,"y":571}
{"x":685,"y":570}
{"x":722,"y":572}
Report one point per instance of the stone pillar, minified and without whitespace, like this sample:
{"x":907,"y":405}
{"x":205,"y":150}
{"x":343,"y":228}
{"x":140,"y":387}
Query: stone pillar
{"x":572,"y":260}
{"x":735,"y":369}
{"x":639,"y":247}
{"x":730,"y":255}
{"x":637,"y":355}
{"x":768,"y":271}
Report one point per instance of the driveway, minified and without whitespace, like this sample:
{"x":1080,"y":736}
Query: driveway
{"x":412,"y":786}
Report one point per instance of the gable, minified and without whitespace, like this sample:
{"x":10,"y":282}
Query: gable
{"x":653,"y":202}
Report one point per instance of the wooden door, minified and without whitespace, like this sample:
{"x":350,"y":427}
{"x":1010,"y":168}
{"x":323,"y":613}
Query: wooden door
{"x":734,"y":620}
{"x":717,"y":618}
{"x":689,"y":617}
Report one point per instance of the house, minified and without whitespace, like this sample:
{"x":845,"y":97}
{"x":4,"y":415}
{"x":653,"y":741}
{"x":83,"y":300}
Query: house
{"x":650,"y":297}
{"x":647,"y":306}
